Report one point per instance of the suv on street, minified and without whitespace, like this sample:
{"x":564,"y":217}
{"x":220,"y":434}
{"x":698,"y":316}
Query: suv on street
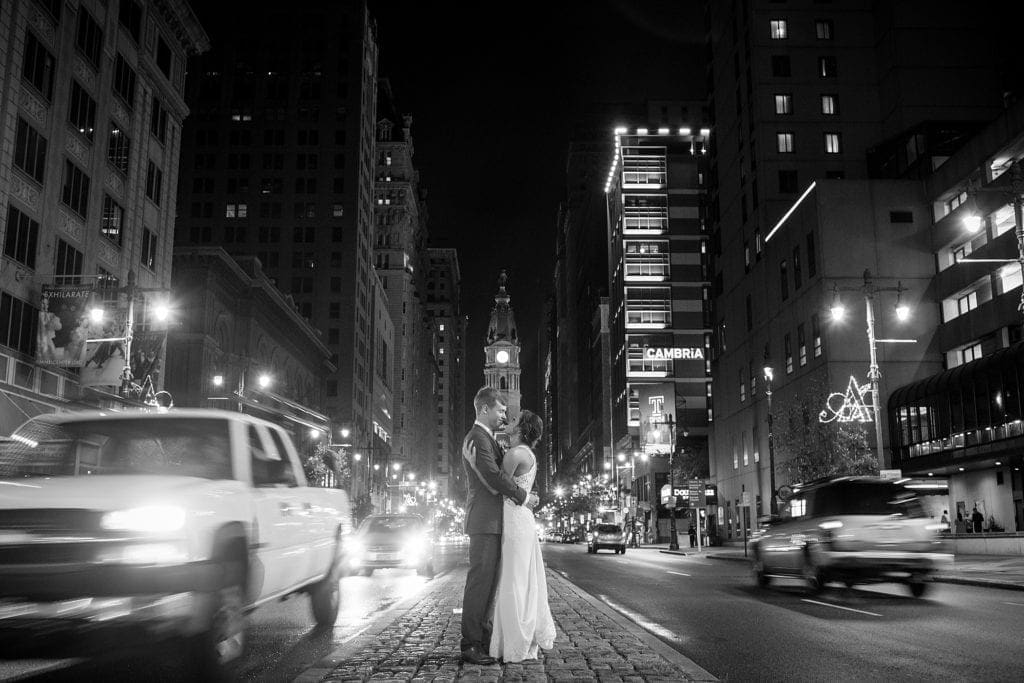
{"x":852,"y":530}
{"x":607,"y":536}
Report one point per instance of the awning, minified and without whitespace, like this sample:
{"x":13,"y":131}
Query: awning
{"x":16,"y":409}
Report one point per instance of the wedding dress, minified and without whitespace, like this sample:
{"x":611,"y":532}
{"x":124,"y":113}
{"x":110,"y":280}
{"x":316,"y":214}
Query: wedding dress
{"x":522,"y":617}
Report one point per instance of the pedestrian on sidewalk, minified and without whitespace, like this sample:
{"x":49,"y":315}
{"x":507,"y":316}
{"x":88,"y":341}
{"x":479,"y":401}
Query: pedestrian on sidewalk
{"x":693,"y":536}
{"x":486,"y":483}
{"x":978,"y":519}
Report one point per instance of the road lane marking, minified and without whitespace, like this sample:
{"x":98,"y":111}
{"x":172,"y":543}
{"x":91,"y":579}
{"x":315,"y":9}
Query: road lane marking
{"x":642,"y":621}
{"x":1018,"y":604}
{"x":848,"y":609}
{"x":677,"y":573}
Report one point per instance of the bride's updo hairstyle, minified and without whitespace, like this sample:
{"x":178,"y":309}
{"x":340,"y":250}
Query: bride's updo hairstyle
{"x":530,"y":427}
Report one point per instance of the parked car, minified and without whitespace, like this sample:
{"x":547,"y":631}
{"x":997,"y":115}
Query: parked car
{"x":386,"y":541}
{"x":607,"y":536}
{"x":179,"y":522}
{"x":852,"y":530}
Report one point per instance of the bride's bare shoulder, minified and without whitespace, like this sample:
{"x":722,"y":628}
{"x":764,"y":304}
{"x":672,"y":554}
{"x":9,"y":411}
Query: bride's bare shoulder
{"x":523,"y":453}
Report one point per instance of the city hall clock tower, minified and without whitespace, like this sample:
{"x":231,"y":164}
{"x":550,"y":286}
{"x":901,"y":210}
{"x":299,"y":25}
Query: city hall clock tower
{"x":501,"y":364}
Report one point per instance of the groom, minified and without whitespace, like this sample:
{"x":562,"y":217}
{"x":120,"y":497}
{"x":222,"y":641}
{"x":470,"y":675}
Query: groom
{"x":486,"y":483}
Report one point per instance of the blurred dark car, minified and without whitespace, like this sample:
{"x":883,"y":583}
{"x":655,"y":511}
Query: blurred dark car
{"x":608,"y":537}
{"x":572,"y":537}
{"x":389,"y":541}
{"x":851,"y":530}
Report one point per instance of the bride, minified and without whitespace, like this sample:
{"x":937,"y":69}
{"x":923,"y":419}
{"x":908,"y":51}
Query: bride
{"x":522,"y":619}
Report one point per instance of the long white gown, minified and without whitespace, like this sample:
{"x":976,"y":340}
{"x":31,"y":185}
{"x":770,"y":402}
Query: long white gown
{"x":522,"y":617}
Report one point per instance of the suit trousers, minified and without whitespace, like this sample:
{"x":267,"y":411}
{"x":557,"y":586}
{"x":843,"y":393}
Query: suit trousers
{"x":481,"y":586}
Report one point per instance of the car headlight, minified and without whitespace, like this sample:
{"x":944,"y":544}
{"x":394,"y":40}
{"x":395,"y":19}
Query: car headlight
{"x":414,"y":547}
{"x":147,"y":519}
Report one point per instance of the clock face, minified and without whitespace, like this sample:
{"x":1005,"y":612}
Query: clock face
{"x":501,"y":356}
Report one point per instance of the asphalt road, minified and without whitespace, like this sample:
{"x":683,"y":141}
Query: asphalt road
{"x":712,"y":612}
{"x":283,"y":641}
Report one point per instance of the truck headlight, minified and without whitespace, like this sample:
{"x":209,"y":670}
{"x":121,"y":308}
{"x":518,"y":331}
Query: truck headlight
{"x":147,"y":519}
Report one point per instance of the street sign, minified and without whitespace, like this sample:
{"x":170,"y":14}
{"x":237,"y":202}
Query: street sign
{"x":696,"y":488}
{"x":890,"y":474}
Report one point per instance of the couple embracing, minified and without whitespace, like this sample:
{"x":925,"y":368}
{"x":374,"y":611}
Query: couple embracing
{"x":505,"y":611}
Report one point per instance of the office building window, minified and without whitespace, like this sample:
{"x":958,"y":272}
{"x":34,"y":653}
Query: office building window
{"x":82,"y":111}
{"x":750,"y":313}
{"x":784,"y":279}
{"x":783,"y":103}
{"x":129,"y":15}
{"x":75,"y":189}
{"x":801,"y":344}
{"x":118,"y":146}
{"x":19,"y":321}
{"x":68,"y":267}
{"x":823,"y":29}
{"x":38,"y":66}
{"x":833,"y":143}
{"x":816,"y":334}
{"x":777,"y":29}
{"x":158,"y":121}
{"x":89,"y":37}
{"x":787,"y":181}
{"x":784,"y":143}
{"x":22,"y":237}
{"x":780,"y":66}
{"x":30,"y":150}
{"x":743,"y":388}
{"x":236,"y":211}
{"x":148,"y":256}
{"x":828,"y":67}
{"x":112,"y":220}
{"x":758,"y":244}
{"x":163,"y":56}
{"x":812,"y":264}
{"x":154,"y":182}
{"x":829,"y":105}
{"x":787,"y":345}
{"x":124,"y":80}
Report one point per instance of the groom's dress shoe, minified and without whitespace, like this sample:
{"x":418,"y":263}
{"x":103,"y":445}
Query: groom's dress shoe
{"x":473,"y":655}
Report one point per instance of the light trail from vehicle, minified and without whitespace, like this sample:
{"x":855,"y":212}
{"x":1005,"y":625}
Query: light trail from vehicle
{"x":848,"y":609}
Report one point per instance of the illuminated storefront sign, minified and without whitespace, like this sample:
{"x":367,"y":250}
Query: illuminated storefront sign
{"x":851,"y":406}
{"x":670,"y":352}
{"x":657,"y":410}
{"x":381,"y":433}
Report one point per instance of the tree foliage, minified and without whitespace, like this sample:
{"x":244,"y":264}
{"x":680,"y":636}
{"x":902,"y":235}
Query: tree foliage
{"x":322,"y":461}
{"x":807,"y":449}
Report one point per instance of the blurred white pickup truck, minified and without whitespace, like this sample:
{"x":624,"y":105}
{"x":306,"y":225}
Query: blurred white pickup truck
{"x":175,"y":523}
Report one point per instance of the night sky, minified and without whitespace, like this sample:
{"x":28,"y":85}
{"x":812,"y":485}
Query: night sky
{"x":493,"y":100}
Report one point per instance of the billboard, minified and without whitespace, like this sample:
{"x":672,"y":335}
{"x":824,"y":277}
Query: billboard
{"x":657,"y":405}
{"x":64,"y":325}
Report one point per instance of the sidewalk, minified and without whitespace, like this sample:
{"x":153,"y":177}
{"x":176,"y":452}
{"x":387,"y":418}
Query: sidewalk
{"x":992,"y":571}
{"x":419,"y":641}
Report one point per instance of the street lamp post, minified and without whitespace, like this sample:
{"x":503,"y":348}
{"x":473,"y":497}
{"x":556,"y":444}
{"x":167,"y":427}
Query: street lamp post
{"x":769,"y":375}
{"x":869,"y":289}
{"x":673,"y":543}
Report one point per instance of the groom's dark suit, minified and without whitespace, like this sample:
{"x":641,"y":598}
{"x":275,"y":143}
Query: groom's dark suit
{"x":483,"y":525}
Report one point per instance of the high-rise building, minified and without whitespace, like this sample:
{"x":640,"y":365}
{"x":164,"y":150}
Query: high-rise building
{"x":658,"y":309}
{"x":807,"y":102}
{"x":92,"y":95}
{"x":444,"y":301}
{"x":400,"y":260}
{"x":278,"y":162}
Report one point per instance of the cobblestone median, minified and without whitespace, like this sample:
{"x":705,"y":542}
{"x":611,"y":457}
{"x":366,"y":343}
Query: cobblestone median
{"x":421,"y":643}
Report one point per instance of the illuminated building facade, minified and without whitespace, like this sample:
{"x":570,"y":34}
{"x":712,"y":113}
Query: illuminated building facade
{"x":658,"y":315}
{"x":92,"y":96}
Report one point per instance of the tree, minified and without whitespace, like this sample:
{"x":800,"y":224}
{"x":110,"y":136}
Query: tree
{"x":808,"y":449}
{"x":322,"y":461}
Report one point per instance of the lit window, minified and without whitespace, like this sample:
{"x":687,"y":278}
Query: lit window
{"x":783,"y":103}
{"x":832,"y":143}
{"x":828,"y":105}
{"x":778,"y":29}
{"x":784,"y":142}
{"x":823,"y":29}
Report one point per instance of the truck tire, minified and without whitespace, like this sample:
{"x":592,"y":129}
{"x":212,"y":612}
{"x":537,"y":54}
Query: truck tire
{"x":217,"y":650}
{"x":325,"y":595}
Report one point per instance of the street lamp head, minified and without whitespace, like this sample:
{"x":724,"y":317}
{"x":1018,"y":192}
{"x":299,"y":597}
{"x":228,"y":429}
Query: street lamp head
{"x":162,"y":312}
{"x":972,"y":222}
{"x":622,"y":457}
{"x":314,"y":433}
{"x":357,"y":456}
{"x":838,"y":310}
{"x":96,"y":314}
{"x":264,"y":381}
{"x":607,"y":465}
{"x":397,"y":466}
{"x":345,"y":432}
{"x":218,"y":380}
{"x":769,"y":374}
{"x":902,"y":312}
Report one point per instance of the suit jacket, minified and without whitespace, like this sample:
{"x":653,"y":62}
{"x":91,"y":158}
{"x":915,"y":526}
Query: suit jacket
{"x":484,"y":513}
